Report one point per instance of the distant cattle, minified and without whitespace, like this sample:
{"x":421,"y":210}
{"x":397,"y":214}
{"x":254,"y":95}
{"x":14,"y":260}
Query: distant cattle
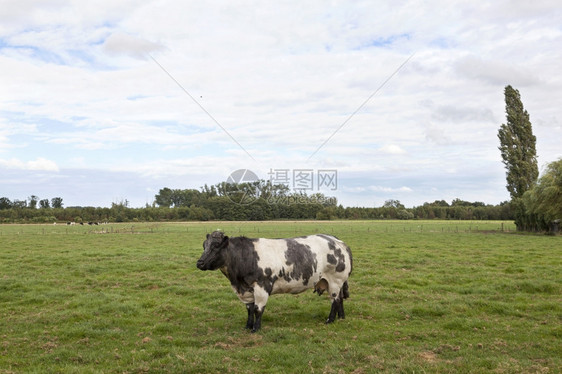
{"x":258,"y":268}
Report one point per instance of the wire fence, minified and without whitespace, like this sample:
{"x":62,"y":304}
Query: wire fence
{"x":267,"y":228}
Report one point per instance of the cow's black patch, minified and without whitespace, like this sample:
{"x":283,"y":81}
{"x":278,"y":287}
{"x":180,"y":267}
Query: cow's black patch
{"x":242,"y":264}
{"x":266,"y":279}
{"x":337,"y":258}
{"x":283,"y":274}
{"x":303,"y":260}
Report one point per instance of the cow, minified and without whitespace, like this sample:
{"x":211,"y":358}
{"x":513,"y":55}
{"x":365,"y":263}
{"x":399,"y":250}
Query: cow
{"x":258,"y":268}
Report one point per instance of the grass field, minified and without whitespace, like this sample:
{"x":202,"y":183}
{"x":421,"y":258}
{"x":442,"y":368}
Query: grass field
{"x":426,"y":297}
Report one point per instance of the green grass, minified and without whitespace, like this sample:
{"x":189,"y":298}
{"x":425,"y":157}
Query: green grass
{"x":426,"y":296}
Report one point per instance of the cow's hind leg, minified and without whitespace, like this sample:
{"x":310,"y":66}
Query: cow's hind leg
{"x":251,"y":311}
{"x":336,"y":307}
{"x":341,"y":312}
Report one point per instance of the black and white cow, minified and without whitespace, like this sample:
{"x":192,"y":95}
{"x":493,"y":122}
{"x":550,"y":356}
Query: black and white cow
{"x":257,"y":268}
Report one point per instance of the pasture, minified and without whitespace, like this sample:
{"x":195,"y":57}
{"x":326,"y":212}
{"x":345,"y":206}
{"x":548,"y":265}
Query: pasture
{"x":426,"y":296}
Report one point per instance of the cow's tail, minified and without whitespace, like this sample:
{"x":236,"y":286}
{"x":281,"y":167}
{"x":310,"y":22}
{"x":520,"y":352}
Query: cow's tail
{"x":345,"y":290}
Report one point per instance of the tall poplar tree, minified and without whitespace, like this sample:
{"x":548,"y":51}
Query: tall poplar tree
{"x":517,"y":146}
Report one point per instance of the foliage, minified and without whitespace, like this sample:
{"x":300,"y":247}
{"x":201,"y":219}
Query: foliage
{"x":44,"y":204}
{"x":33,"y":201}
{"x":517,"y":146}
{"x":542,"y":205}
{"x":255,"y":201}
{"x":291,"y":206}
{"x":56,"y":202}
{"x":446,"y":299}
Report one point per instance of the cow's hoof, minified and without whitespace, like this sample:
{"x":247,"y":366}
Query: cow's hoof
{"x":329,"y":321}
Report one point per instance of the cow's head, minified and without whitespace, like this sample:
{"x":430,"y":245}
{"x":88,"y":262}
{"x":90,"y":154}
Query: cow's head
{"x":213,"y":256}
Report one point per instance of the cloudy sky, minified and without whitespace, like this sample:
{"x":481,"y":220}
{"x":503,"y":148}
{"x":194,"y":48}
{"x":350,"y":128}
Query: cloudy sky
{"x":111,"y":100}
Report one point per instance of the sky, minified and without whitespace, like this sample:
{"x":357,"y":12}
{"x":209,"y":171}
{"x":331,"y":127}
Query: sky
{"x":107,"y":101}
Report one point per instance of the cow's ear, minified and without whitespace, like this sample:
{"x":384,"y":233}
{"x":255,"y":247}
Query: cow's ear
{"x":208,"y":236}
{"x":224,"y":241}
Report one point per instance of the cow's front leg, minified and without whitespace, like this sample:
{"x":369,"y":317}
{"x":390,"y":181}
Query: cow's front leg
{"x":257,"y":323}
{"x":251,"y":310}
{"x":260,"y":297}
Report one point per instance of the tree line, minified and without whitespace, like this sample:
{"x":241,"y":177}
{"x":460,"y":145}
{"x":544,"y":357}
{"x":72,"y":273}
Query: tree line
{"x":244,"y":202}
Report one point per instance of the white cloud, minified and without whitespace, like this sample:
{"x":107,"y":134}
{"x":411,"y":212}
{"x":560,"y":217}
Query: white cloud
{"x":372,"y":188}
{"x":496,"y":72}
{"x":124,"y":44}
{"x":389,"y":189}
{"x":437,"y":135}
{"x":38,"y":164}
{"x":392,"y":149}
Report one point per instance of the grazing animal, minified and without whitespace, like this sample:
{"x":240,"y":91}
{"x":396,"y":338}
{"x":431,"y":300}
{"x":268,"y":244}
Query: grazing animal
{"x":258,"y":268}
